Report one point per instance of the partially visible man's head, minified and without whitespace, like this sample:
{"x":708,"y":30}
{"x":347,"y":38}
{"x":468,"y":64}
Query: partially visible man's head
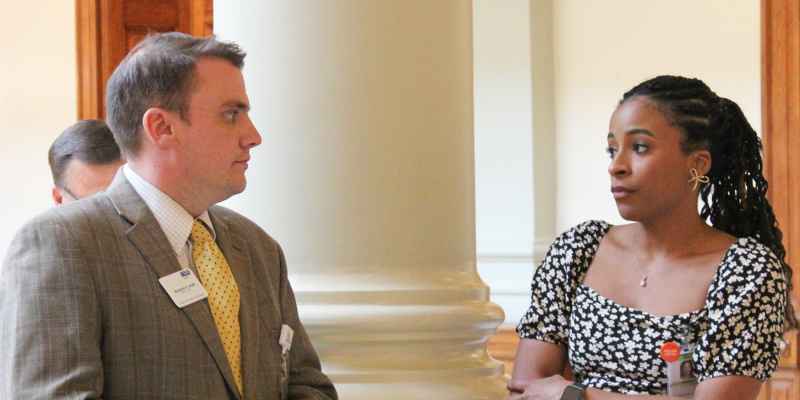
{"x":83,"y":160}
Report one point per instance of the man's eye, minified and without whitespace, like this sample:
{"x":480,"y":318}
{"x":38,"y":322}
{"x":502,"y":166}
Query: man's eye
{"x":231,"y":115}
{"x":640,"y":148}
{"x":611,"y":151}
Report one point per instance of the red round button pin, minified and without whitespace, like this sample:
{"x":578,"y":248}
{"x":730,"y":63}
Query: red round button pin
{"x":670,"y":351}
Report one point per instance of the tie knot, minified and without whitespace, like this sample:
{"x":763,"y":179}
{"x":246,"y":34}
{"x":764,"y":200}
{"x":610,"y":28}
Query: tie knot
{"x":200,"y":233}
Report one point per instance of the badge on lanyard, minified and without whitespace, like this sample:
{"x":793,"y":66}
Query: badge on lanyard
{"x":681,"y":380}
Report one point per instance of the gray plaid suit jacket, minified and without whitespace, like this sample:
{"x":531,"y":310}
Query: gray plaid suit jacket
{"x":83,"y":316}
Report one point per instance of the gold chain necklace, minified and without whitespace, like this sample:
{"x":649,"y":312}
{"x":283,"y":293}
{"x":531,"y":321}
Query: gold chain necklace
{"x":645,"y":272}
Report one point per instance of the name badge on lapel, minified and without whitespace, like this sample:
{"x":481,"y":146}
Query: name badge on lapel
{"x":183,"y":287}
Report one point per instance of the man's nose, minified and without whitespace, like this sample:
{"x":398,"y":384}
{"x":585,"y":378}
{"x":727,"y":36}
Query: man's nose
{"x":252,"y":138}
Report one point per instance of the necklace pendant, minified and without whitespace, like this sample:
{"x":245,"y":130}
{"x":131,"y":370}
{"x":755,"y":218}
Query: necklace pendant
{"x":643,"y":282}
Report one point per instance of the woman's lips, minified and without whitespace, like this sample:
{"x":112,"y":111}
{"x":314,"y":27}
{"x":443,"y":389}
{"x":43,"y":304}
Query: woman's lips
{"x":620,"y":192}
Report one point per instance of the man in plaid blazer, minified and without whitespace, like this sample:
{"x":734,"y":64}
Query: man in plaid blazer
{"x":85,"y":310}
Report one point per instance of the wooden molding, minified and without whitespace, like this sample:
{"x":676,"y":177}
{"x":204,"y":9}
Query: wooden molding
{"x":90,"y":97}
{"x":202,"y":17}
{"x":781,"y":116}
{"x":780,"y":86}
{"x":107,"y":29}
{"x":503,"y":346}
{"x":784,"y":385}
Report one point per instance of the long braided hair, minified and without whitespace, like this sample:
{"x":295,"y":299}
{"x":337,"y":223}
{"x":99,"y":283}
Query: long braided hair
{"x":735,"y":200}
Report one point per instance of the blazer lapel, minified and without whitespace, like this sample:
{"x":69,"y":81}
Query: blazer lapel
{"x":234,"y":250}
{"x":147,"y":236}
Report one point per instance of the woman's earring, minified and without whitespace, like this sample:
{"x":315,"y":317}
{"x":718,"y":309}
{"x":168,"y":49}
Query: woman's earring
{"x":697,"y":179}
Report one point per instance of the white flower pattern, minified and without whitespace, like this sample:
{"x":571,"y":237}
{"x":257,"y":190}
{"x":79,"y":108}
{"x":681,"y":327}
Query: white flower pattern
{"x":616,"y":348}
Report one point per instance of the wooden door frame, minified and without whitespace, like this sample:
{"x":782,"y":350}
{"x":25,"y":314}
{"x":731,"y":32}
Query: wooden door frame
{"x":98,"y":55}
{"x":780,"y":109}
{"x":90,"y":92}
{"x":780,"y":101}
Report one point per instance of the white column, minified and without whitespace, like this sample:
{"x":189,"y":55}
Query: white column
{"x":366,"y":178}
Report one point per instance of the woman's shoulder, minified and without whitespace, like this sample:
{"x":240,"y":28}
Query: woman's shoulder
{"x":579,"y":242}
{"x":749,"y":260}
{"x":749,"y":250}
{"x":586,"y":231}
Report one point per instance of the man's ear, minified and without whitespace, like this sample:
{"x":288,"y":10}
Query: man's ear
{"x":58,"y":198}
{"x":701,"y":160}
{"x":157,"y":124}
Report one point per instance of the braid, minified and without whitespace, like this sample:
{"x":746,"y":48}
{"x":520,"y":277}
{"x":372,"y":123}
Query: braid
{"x":735,"y":200}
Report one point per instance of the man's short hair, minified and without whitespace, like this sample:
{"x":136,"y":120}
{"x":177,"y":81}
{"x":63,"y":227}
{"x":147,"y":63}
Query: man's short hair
{"x":89,"y":141}
{"x":158,"y":72}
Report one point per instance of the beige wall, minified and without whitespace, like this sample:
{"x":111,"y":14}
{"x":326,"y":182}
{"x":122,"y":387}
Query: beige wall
{"x":37,"y":101}
{"x":605,"y":47}
{"x":503,"y":122}
{"x":504,"y":146}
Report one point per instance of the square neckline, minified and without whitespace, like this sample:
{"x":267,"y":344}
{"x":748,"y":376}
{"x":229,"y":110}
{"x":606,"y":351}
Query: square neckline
{"x":661,"y":318}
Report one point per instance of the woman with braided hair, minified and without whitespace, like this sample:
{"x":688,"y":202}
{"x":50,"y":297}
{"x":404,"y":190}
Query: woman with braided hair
{"x":624,"y":307}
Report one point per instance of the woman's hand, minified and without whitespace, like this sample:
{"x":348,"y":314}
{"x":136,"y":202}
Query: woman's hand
{"x":549,"y":388}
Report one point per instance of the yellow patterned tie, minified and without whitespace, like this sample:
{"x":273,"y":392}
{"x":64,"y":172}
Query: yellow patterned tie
{"x":223,"y":295}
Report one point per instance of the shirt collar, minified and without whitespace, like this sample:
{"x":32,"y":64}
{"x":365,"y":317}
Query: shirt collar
{"x":174,"y":220}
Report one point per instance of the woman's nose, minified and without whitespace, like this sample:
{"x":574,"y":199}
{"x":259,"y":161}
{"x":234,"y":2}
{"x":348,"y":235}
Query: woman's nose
{"x":618,"y":165}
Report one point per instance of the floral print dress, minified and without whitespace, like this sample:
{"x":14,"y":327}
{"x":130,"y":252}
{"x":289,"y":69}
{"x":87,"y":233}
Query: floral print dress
{"x":617,"y":348}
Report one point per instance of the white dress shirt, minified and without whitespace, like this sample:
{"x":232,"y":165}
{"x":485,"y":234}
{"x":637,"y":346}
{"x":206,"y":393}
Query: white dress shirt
{"x":174,"y":220}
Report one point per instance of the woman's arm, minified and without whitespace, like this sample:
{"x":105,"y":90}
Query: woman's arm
{"x":722,"y":388}
{"x":728,"y":387}
{"x":536,"y":360}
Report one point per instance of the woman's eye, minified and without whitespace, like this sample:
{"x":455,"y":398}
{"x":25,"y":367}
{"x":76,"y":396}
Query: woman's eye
{"x":611,"y":151}
{"x":640,"y":148}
